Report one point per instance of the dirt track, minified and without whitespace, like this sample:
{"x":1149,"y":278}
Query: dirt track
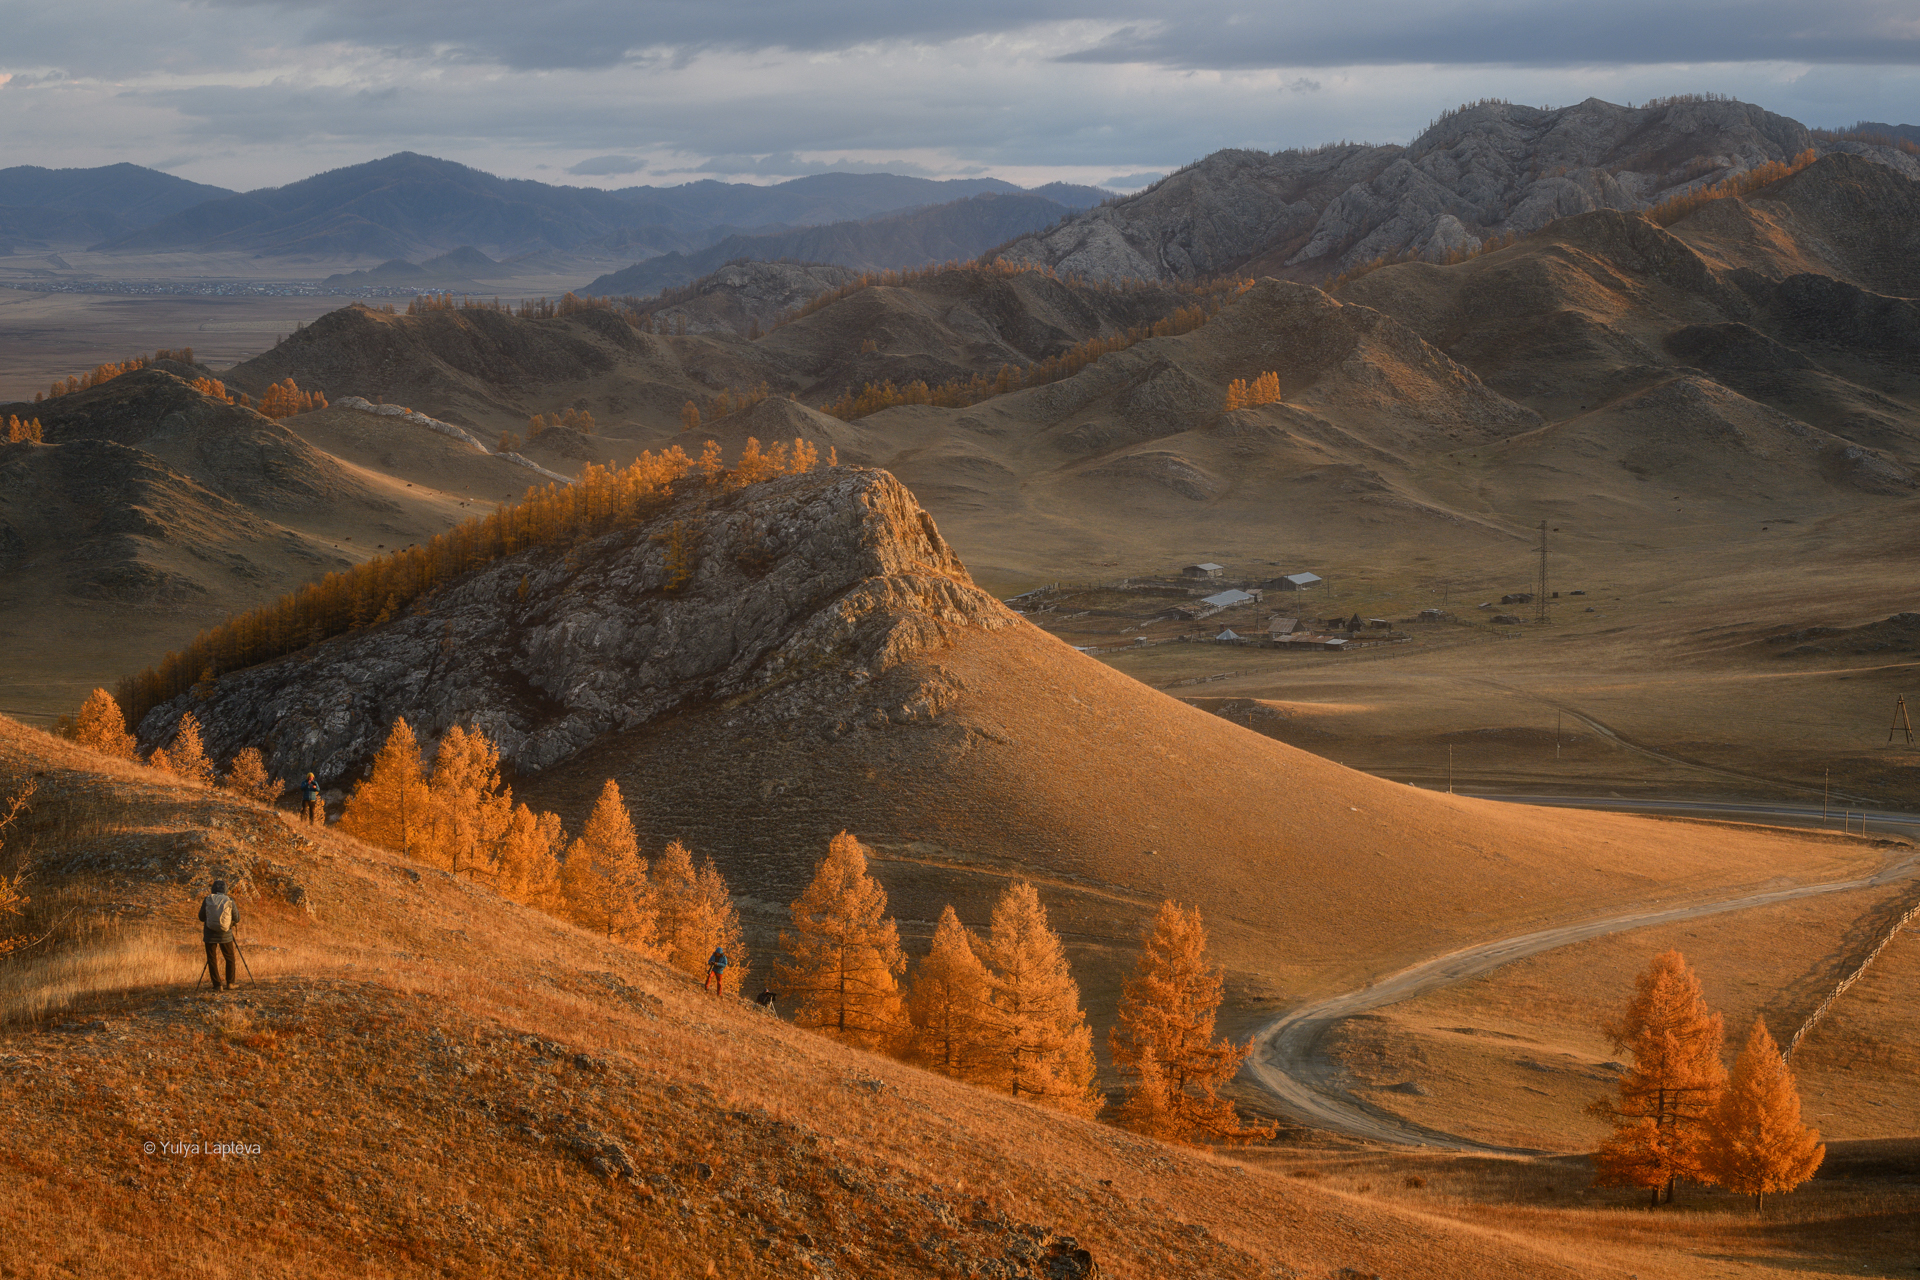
{"x":1288,"y":1064}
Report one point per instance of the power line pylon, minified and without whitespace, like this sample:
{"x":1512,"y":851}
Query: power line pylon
{"x":1901,"y":724}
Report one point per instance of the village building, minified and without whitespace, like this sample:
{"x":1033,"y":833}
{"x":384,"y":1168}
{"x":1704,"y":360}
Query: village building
{"x":1294,"y":582}
{"x":1229,"y":598}
{"x":1208,"y":570}
{"x":1277,"y":627}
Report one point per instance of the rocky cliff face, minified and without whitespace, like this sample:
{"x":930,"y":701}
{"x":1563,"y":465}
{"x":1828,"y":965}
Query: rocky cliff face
{"x":1487,"y":171}
{"x":806,"y":596}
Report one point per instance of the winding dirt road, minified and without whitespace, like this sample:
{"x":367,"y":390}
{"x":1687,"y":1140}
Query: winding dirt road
{"x":1286,"y":1059}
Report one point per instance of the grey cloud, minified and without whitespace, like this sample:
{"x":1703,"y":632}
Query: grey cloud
{"x":1228,"y":34}
{"x":605,"y":33}
{"x":604,"y":166}
{"x":1198,"y":34}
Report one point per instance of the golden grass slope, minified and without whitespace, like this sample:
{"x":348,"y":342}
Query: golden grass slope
{"x":438,"y":1081}
{"x":1045,"y":763}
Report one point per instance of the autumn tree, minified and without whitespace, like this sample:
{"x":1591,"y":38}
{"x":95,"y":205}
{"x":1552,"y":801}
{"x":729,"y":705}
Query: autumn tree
{"x":1756,"y":1142}
{"x":469,"y":809}
{"x":391,"y":806}
{"x":722,"y":920}
{"x":248,"y":777}
{"x":13,"y":902}
{"x":680,"y":929}
{"x":100,"y":726}
{"x":605,"y":878}
{"x":186,"y":756}
{"x":528,"y":867}
{"x":689,"y":416}
{"x":27,"y":432}
{"x":1163,"y":1041}
{"x":956,"y":1029}
{"x":1665,"y":1098}
{"x":1046,"y":1047}
{"x":285,"y":399}
{"x":694,"y":914}
{"x":843,"y":955}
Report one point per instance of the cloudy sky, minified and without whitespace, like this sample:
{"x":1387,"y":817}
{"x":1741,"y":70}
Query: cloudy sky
{"x":249,"y":93}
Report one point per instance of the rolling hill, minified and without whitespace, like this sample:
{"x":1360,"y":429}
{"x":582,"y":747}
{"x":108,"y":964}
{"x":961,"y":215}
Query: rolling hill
{"x":485,"y":367}
{"x":829,"y":627}
{"x":151,"y":511}
{"x":588,"y":1111}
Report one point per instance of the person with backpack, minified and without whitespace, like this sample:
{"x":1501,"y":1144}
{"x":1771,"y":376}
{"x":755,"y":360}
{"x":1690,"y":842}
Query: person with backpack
{"x":716,"y":972}
{"x":310,"y":796}
{"x":218,"y":915}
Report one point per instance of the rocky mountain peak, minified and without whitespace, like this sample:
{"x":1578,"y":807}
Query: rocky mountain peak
{"x":1488,"y":170}
{"x":794,"y":602}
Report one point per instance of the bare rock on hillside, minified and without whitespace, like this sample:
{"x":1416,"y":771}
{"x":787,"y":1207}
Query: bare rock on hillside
{"x":806,"y":593}
{"x":1486,"y":171}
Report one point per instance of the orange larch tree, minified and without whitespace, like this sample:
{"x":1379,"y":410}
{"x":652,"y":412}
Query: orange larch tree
{"x":1046,"y":1047}
{"x":605,"y":878}
{"x":100,"y":726}
{"x":186,"y":756}
{"x":1756,"y":1143}
{"x":470,"y":810}
{"x":843,"y":955}
{"x":391,"y":806}
{"x":956,"y":1029}
{"x":1666,"y":1097}
{"x":248,"y":777}
{"x":1163,"y":1040}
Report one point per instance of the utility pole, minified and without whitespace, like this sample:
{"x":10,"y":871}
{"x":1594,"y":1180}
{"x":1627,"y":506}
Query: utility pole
{"x":1540,"y":586}
{"x":1556,"y":735}
{"x":1901,"y":724}
{"x":1449,"y":768}
{"x":1826,"y":789}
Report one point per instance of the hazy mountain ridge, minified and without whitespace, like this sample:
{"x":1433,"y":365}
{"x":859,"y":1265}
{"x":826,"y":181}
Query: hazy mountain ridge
{"x":1487,"y":171}
{"x":412,"y":206}
{"x":130,"y":191}
{"x":831,"y":197}
{"x":957,"y":231}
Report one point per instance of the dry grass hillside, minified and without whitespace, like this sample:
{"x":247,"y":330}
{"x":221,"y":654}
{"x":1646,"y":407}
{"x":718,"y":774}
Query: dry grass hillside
{"x":1044,"y":763}
{"x":491,"y":370}
{"x":424,"y":1079}
{"x":151,"y":511}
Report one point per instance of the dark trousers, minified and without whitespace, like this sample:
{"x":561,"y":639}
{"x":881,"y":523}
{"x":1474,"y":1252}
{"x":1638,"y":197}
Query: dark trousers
{"x":216,"y":950}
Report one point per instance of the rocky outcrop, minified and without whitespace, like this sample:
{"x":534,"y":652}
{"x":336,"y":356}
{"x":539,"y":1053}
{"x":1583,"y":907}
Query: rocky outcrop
{"x":1486,"y":171}
{"x":806,"y":596}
